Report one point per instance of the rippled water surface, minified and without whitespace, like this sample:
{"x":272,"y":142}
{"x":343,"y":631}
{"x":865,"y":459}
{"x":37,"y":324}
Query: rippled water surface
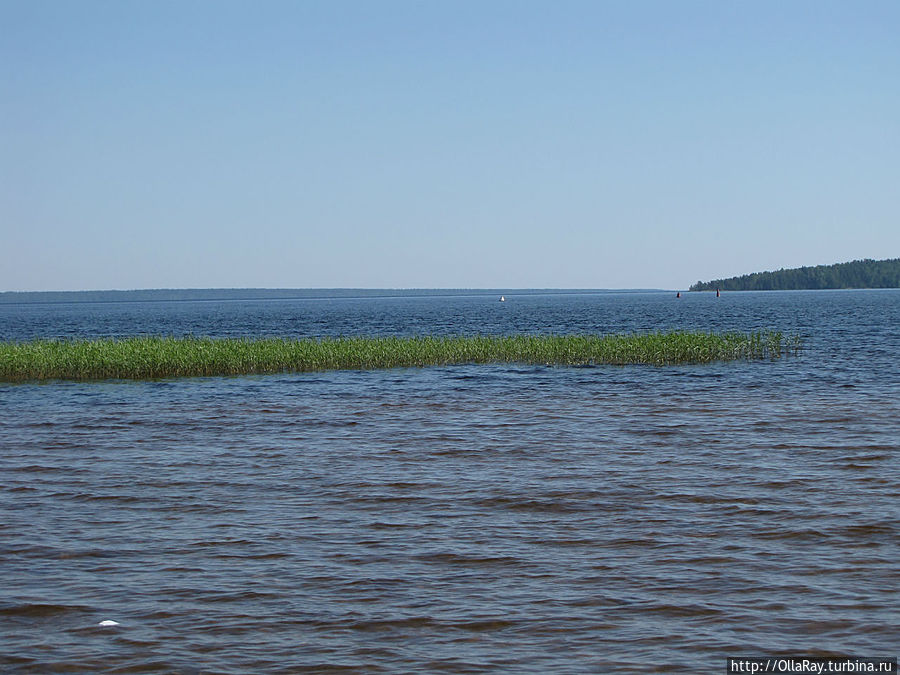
{"x":457,"y":519}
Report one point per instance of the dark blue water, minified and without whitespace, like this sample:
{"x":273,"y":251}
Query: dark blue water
{"x":459,"y":519}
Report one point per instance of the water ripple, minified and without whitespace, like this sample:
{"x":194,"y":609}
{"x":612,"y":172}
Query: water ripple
{"x":461,"y":519}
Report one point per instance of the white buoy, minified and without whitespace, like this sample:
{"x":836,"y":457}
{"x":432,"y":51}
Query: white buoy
{"x":107,"y":622}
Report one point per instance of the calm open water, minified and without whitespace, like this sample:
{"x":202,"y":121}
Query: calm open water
{"x":457,"y":519}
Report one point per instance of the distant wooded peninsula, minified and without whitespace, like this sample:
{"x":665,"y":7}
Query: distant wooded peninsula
{"x":855,"y":274}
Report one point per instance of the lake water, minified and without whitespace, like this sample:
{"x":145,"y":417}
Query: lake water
{"x":457,"y":519}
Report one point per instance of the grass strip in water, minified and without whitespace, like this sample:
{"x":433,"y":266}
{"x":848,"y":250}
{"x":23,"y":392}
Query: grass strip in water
{"x":142,"y":358}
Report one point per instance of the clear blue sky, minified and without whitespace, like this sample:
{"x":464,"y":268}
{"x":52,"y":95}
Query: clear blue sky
{"x":443,"y":143}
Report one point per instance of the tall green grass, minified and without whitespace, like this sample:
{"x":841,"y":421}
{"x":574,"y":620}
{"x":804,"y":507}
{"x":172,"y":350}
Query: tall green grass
{"x":159,"y":357}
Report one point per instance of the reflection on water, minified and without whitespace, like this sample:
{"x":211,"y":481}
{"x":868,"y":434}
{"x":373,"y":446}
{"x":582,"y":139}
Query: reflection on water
{"x":464,"y":519}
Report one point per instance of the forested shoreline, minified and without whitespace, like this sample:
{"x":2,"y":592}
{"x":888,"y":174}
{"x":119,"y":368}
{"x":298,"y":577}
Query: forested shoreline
{"x":855,"y":274}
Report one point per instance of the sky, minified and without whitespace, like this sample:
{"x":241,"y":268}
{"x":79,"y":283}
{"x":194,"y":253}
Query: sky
{"x":443,"y":143}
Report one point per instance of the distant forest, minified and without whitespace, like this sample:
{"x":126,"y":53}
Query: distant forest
{"x":203,"y":294}
{"x":179,"y":294}
{"x":856,"y":274}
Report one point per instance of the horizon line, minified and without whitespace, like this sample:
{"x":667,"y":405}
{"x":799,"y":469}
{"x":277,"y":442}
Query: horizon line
{"x":334,"y":288}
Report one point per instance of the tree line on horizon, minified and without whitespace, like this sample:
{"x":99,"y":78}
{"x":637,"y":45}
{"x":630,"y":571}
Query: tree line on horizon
{"x":856,"y":274}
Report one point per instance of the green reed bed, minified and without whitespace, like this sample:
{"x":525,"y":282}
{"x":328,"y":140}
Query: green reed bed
{"x":158,"y":357}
